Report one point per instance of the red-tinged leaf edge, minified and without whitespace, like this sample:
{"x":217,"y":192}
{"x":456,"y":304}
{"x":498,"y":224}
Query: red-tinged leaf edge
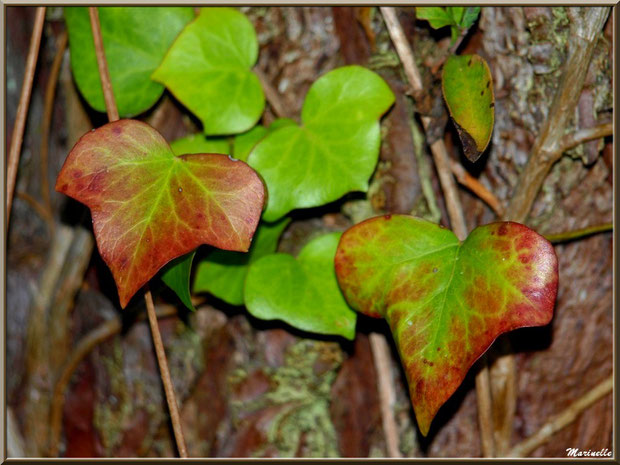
{"x":213,"y":200}
{"x":434,"y":373}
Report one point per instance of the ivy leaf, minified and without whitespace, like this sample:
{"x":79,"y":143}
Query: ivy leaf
{"x":135,"y":40}
{"x":457,"y":17}
{"x":436,"y":16}
{"x":198,"y":143}
{"x":223,"y":273}
{"x":469,"y":17}
{"x":446,"y":301}
{"x":302,"y":292}
{"x":244,"y":143}
{"x":456,"y":13}
{"x":149,"y":206}
{"x":208,"y":70}
{"x":336,"y":148}
{"x":468,"y":91}
{"x":176,"y":276}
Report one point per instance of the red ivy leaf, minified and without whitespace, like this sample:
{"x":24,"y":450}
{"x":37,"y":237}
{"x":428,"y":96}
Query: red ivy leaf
{"x":445,"y":301}
{"x":149,"y":206}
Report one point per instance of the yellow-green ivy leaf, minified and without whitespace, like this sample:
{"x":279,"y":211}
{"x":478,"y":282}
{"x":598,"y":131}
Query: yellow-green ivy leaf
{"x":208,"y":70}
{"x":468,"y":91}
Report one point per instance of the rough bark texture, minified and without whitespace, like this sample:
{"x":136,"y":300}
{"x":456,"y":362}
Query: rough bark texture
{"x":250,"y":388}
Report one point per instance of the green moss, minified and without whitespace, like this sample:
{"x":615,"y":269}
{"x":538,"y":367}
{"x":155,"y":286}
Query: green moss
{"x":385,"y":59}
{"x":185,"y":358}
{"x":110,"y":417}
{"x":302,"y":387}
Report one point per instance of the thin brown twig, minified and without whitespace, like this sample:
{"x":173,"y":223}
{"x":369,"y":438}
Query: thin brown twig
{"x":112,"y":112}
{"x":104,"y":74}
{"x":562,"y":420}
{"x":48,"y":109}
{"x":103,"y":332}
{"x":382,"y":359}
{"x":272,"y":95}
{"x":584,"y":135}
{"x":175,"y":417}
{"x":467,"y":180}
{"x":455,"y":211}
{"x":22,"y":109}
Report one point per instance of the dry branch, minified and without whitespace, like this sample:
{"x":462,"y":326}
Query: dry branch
{"x":586,"y":24}
{"x":22,"y":109}
{"x":383,"y":360}
{"x":562,"y":420}
{"x":48,"y":108}
{"x":584,"y":135}
{"x":550,"y":143}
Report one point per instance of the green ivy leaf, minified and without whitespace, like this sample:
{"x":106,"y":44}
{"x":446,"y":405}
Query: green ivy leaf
{"x":244,"y":143}
{"x":456,"y":13}
{"x":336,"y":148}
{"x":446,"y":301}
{"x":135,"y":41}
{"x":149,"y":206}
{"x":208,"y":70}
{"x":198,"y":143}
{"x":302,"y":292}
{"x":468,"y":91}
{"x":470,"y":16}
{"x":457,"y":17}
{"x":437,"y":16}
{"x":223,"y":273}
{"x":176,"y":276}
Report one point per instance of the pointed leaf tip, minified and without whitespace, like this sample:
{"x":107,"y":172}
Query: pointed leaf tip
{"x":446,"y":301}
{"x":149,"y":206}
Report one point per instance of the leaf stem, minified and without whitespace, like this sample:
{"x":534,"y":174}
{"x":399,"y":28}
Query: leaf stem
{"x":22,"y":109}
{"x":112,"y":112}
{"x":455,"y":210}
{"x":579,"y":233}
{"x":562,"y":420}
